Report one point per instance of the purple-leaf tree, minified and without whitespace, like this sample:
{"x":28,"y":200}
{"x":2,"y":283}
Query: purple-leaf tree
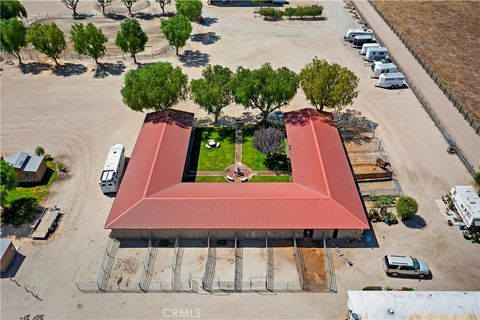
{"x":268,"y":140}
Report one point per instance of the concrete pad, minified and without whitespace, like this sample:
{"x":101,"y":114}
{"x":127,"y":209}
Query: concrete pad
{"x":224,"y":269}
{"x":194,"y":262}
{"x":285,"y":265}
{"x":254,"y":267}
{"x":163,"y":265}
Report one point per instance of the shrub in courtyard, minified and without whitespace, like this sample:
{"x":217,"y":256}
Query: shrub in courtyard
{"x":19,"y":211}
{"x":192,"y":9}
{"x":88,"y":40}
{"x":271,"y":13}
{"x":48,"y":39}
{"x":157,"y":86}
{"x":12,"y":9}
{"x":407,"y":207}
{"x":213,"y":91}
{"x":177,"y":30}
{"x":131,"y":38}
{"x":328,"y":85}
{"x":268,"y":140}
{"x":12,"y":37}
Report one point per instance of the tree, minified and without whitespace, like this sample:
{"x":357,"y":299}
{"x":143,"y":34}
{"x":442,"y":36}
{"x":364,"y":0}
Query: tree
{"x":131,"y":38}
{"x":8,"y":180}
{"x":88,"y":40}
{"x":163,"y":3}
{"x":192,"y":9}
{"x":213,"y":91}
{"x":265,"y":89}
{"x":39,"y":151}
{"x":129,"y":4}
{"x":268,"y":140}
{"x":157,"y":86}
{"x":12,"y":37}
{"x":104,"y":4}
{"x":19,"y":211}
{"x":328,"y":84}
{"x":11,"y":9}
{"x":177,"y":30}
{"x":407,"y":207}
{"x":48,"y":39}
{"x":476,"y":179}
{"x":71,"y":4}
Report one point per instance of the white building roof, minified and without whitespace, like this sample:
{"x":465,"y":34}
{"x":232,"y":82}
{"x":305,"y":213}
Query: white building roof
{"x":25,"y":161}
{"x":467,"y":203}
{"x":387,"y":305}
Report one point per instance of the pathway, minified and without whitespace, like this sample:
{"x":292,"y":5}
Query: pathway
{"x":238,"y":145}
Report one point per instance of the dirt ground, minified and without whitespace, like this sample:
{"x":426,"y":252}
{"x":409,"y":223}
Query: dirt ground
{"x":127,"y":267}
{"x":445,"y":35}
{"x":315,"y":272}
{"x":285,"y":265}
{"x":80,"y":117}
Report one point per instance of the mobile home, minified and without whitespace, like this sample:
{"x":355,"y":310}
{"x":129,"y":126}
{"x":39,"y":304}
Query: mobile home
{"x":391,"y":80}
{"x":376,"y":54}
{"x":351,"y":33}
{"x":366,"y":46}
{"x":379,"y":67}
{"x":358,"y":41}
{"x":467,"y":204}
{"x":113,"y":169}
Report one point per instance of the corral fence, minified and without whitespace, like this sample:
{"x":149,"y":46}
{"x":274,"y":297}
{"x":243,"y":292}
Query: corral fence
{"x":300,"y":262}
{"x":330,"y":268}
{"x":450,"y":95}
{"x":426,"y":105}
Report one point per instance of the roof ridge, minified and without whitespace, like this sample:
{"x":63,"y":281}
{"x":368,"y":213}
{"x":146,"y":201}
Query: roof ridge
{"x":319,"y":154}
{"x":124,"y":213}
{"x":348,"y":211}
{"x":159,"y":142}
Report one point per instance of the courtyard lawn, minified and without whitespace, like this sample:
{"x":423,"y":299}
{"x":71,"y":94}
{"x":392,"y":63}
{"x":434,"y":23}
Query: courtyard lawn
{"x":251,"y":156}
{"x":270,"y":179}
{"x":210,"y":179}
{"x":215,"y":159}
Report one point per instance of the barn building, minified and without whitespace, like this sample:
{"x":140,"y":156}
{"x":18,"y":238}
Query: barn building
{"x":321,"y":201}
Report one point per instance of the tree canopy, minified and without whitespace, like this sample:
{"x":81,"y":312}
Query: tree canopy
{"x":407,"y":207}
{"x":131,"y":38}
{"x":71,"y":4}
{"x":266,"y":89}
{"x":8,"y":180}
{"x":268,"y":140}
{"x":156,"y":86}
{"x":12,"y":37}
{"x":213,"y":91}
{"x":48,"y":39}
{"x":88,"y":40}
{"x":192,"y":9}
{"x":11,"y":9}
{"x":177,"y":30}
{"x":476,"y":179}
{"x":328,"y":85}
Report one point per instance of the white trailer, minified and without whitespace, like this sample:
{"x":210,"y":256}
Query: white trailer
{"x":391,"y":80}
{"x":366,"y":46}
{"x":351,"y":33}
{"x":376,"y":53}
{"x":113,"y":170}
{"x":379,"y":67}
{"x":467,"y":204}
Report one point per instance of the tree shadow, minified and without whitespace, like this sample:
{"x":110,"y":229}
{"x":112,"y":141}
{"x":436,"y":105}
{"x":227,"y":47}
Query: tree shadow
{"x":304,"y":116}
{"x":147,"y":16}
{"x":417,"y":222}
{"x":320,"y":18}
{"x":208,"y":21}
{"x":109,"y":69}
{"x":194,"y":59}
{"x":69,"y":69}
{"x":205,"y":38}
{"x":83,"y":16}
{"x":171,"y":117}
{"x":115,"y":16}
{"x":34,"y":67}
{"x":354,"y":127}
{"x":244,"y":3}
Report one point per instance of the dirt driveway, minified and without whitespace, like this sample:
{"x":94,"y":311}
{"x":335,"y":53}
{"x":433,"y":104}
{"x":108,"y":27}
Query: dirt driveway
{"x":80,"y":117}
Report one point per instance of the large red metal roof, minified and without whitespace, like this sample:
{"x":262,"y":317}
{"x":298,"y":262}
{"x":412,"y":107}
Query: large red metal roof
{"x":323,"y":194}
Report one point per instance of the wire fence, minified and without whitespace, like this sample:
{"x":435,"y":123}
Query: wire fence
{"x":332,"y":280}
{"x":435,"y":77}
{"x":426,"y":105}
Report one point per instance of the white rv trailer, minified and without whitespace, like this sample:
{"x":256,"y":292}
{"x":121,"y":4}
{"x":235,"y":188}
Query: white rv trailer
{"x":379,"y":67}
{"x":356,"y":32}
{"x":376,"y":54}
{"x":358,"y":41}
{"x":467,"y":204}
{"x":391,"y":80}
{"x":113,"y":170}
{"x":366,"y":46}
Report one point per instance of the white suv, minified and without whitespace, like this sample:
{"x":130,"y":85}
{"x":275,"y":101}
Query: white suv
{"x":405,"y":265}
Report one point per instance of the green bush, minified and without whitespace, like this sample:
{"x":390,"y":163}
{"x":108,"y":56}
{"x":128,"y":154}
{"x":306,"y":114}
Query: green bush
{"x":19,"y":211}
{"x":407,"y":207}
{"x":39,"y":151}
{"x":271,"y":13}
{"x":476,"y":178}
{"x":304,"y":11}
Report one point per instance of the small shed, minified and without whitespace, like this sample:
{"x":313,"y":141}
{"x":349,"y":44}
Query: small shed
{"x":8,"y":253}
{"x":29,"y":168}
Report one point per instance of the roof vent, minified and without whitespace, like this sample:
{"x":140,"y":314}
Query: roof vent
{"x":390,"y":311}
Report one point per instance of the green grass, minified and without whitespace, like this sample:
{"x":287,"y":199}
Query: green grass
{"x":270,"y":179}
{"x":215,"y":159}
{"x":210,"y":179}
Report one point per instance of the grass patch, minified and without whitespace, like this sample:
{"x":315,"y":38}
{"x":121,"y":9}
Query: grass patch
{"x":215,"y":159}
{"x":270,"y":179}
{"x":251,"y":156}
{"x":210,"y":179}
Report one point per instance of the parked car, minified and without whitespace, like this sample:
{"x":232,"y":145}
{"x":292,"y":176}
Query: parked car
{"x":405,"y":265}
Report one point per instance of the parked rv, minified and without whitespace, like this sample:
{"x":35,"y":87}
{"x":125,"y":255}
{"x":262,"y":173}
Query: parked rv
{"x":379,"y":67}
{"x":113,"y":170}
{"x":358,"y":41}
{"x":391,"y":80}
{"x":366,"y":46}
{"x":376,"y":54}
{"x":351,"y":33}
